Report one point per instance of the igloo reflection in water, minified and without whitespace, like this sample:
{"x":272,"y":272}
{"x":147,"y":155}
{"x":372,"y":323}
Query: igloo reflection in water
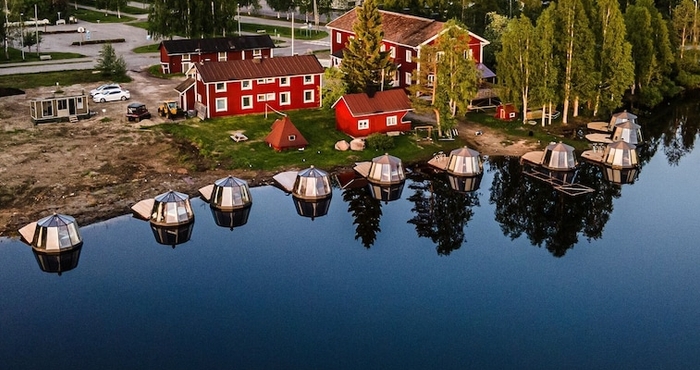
{"x":170,"y":215}
{"x":55,"y":241}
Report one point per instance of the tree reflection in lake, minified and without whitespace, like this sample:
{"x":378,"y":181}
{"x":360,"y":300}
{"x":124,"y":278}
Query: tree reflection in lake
{"x":366,"y":212}
{"x":527,"y":206}
{"x":441,"y":213}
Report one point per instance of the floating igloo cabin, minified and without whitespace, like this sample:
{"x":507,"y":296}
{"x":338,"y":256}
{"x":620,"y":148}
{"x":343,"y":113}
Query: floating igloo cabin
{"x":628,"y":131}
{"x":555,"y":157}
{"x":53,"y":234}
{"x":383,"y":170}
{"x":228,"y":193}
{"x":619,"y":154}
{"x":616,"y":119}
{"x":461,"y":162}
{"x":311,"y":183}
{"x":168,"y":209}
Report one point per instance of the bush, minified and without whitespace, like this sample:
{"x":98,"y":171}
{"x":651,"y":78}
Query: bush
{"x":380,"y":141}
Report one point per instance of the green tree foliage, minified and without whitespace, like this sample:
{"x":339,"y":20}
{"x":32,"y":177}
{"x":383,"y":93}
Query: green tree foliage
{"x":379,"y":141}
{"x":494,"y":30}
{"x":686,"y":34}
{"x":448,"y":78}
{"x":516,"y":63}
{"x":575,"y":46}
{"x":614,"y":57}
{"x":545,"y":88}
{"x":333,"y":86}
{"x":364,"y":64}
{"x":116,"y":5}
{"x":191,"y":18}
{"x":109,"y":64}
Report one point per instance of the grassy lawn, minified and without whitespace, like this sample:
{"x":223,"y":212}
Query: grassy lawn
{"x":16,"y":55}
{"x":156,"y":71}
{"x":283,"y":31}
{"x":64,"y":78}
{"x":517,"y":130}
{"x":212,"y":139}
{"x":270,"y":30}
{"x":152,"y":48}
{"x":95,"y":17}
{"x":127,"y":9}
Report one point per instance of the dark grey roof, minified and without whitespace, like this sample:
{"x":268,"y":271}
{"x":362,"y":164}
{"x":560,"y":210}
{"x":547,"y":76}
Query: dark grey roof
{"x":219,"y":44}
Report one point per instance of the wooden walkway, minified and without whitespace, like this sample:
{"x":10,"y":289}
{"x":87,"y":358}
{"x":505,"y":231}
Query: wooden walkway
{"x":558,"y":185}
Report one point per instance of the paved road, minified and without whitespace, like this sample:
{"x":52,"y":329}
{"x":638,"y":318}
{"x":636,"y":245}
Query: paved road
{"x":134,"y":37}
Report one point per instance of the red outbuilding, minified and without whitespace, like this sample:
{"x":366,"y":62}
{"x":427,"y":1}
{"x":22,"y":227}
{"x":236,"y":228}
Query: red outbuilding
{"x":177,"y":56}
{"x":284,"y":135}
{"x":359,"y":115}
{"x":235,"y":87}
{"x":506,"y":112}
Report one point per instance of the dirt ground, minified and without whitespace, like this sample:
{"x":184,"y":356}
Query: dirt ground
{"x":99,"y":167}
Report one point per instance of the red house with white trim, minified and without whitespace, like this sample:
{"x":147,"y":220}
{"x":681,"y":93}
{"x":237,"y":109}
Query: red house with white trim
{"x":177,"y":56}
{"x":404,"y":35}
{"x":235,"y":87}
{"x":360,"y":115}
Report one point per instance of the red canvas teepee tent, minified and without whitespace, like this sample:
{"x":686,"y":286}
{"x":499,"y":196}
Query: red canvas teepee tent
{"x":285,"y":135}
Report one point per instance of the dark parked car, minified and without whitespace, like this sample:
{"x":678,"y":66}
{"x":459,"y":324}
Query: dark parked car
{"x":137,"y":112}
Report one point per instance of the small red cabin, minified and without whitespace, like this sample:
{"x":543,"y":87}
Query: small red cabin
{"x":360,"y":115}
{"x":506,"y":112}
{"x":284,"y":135}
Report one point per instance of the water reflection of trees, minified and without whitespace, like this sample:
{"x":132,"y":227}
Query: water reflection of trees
{"x":674,"y":126}
{"x":546,"y":216}
{"x":441,"y":214}
{"x":366,"y":212}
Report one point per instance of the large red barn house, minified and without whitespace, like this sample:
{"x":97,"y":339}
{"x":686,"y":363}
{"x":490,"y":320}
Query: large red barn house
{"x":404,"y":35}
{"x":254,"y":85}
{"x":177,"y":56}
{"x":360,"y":115}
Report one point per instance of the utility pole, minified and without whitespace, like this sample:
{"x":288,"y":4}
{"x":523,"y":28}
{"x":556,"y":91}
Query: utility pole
{"x":7,"y":56}
{"x":21,"y":33}
{"x":36,"y":29}
{"x":238,"y":16}
{"x":292,"y":32}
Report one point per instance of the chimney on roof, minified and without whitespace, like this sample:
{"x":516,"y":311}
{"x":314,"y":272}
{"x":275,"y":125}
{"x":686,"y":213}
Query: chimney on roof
{"x":370,"y":90}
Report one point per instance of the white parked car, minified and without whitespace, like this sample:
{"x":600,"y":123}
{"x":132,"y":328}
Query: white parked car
{"x":105,"y":88}
{"x":111,"y":95}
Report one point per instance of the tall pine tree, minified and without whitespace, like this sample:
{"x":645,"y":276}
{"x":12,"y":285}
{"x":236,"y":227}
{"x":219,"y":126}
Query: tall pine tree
{"x":364,"y":64}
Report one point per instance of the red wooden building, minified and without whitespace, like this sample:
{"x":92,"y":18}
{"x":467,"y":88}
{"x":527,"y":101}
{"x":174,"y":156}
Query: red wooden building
{"x":404,"y":35}
{"x":506,"y":112}
{"x":359,"y":115}
{"x":284,"y":135}
{"x":176,"y":56}
{"x":253,"y":86}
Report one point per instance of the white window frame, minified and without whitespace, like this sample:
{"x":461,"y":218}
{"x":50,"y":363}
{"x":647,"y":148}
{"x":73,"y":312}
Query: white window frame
{"x":408,"y":78}
{"x":311,"y":100}
{"x":260,"y":97}
{"x":338,"y":37}
{"x":221,"y":108}
{"x":249,"y":83}
{"x":250,"y":101}
{"x":291,"y":137}
{"x":79,"y":102}
{"x":199,"y":98}
{"x":431,"y":79}
{"x":363,"y":124}
{"x":391,"y":121}
{"x":287,"y":96}
{"x":382,"y":48}
{"x":222,"y":56}
{"x":220,"y":89}
{"x":257,"y":53}
{"x":409,"y":56}
{"x":392,"y":51}
{"x":308,"y":79}
{"x":468,"y":54}
{"x":284,"y":81}
{"x":186,"y":57}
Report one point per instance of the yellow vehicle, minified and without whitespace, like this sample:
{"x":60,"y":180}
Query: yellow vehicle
{"x":170,"y":109}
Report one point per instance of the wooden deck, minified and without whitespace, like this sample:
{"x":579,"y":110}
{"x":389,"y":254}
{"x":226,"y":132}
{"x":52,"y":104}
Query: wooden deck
{"x":363,"y":168}
{"x":567,"y":188}
{"x":439,"y":161}
{"x":599,"y":138}
{"x":205,"y":192}
{"x":286,"y":180}
{"x":598,"y":126}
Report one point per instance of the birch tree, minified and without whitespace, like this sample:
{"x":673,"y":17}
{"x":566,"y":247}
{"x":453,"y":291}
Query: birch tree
{"x":515,"y":66}
{"x":545,"y":86}
{"x":615,"y":68}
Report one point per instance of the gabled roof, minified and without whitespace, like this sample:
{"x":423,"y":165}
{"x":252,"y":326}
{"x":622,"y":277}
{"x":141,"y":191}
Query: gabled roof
{"x":218,"y":44}
{"x":382,"y":102}
{"x":259,"y":68}
{"x":281,"y":131}
{"x":184,"y":85}
{"x":399,"y":28}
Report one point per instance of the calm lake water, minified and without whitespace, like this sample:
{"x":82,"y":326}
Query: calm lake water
{"x":514,"y":275}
